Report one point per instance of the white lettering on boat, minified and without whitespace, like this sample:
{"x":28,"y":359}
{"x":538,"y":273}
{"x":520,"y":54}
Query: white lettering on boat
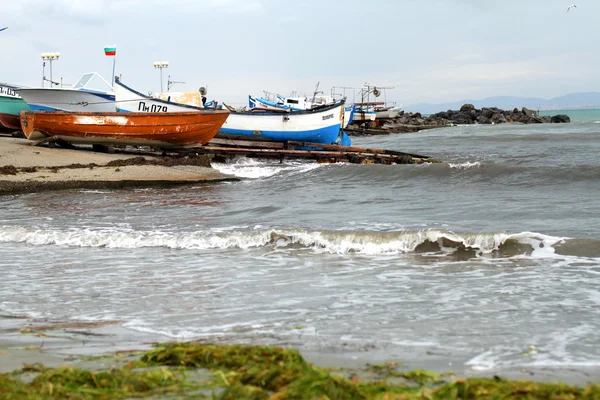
{"x":6,"y":91}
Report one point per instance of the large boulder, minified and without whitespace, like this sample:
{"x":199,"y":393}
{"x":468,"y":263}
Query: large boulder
{"x":560,"y":119}
{"x":463,"y":118}
{"x":498,"y":118}
{"x":483,"y":120}
{"x":528,"y":112}
{"x":488,"y":112}
{"x":442,"y":114}
{"x":467,"y":108}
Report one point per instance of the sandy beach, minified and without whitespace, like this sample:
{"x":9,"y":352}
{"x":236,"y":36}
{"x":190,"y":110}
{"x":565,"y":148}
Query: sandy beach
{"x":26,"y":168}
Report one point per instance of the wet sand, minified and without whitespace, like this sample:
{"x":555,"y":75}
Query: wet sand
{"x":47,"y":170}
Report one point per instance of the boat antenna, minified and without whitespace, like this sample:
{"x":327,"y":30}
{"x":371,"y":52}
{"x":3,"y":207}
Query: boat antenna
{"x":315,"y":93}
{"x":170,"y":83}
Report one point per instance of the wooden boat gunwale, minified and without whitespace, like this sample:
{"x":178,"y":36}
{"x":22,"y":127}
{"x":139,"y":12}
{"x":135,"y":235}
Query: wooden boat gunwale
{"x":146,"y":97}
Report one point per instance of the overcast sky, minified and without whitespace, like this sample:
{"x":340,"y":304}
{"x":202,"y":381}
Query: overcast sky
{"x":429,"y":50}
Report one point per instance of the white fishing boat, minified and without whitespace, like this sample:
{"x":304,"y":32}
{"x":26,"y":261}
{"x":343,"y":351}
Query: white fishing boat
{"x":367,"y":110}
{"x":364,"y":114}
{"x":317,"y":125}
{"x":91,"y":93}
{"x":297,"y":102}
{"x":130,"y":100}
{"x":387,"y":112}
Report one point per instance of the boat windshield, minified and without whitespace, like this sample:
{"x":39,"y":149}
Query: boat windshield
{"x":93,"y":81}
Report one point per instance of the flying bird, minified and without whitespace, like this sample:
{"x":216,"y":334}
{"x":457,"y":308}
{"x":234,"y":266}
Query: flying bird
{"x":571,"y":6}
{"x":3,"y":29}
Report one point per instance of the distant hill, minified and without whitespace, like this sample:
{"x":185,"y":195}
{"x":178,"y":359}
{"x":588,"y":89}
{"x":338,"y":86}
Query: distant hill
{"x":569,"y":101}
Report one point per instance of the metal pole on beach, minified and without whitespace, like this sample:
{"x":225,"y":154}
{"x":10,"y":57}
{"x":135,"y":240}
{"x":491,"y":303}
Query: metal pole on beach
{"x":161,"y":65}
{"x":49,"y":57}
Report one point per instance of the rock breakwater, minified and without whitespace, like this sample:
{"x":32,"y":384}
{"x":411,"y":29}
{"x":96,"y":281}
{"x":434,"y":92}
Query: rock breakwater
{"x":467,"y":115}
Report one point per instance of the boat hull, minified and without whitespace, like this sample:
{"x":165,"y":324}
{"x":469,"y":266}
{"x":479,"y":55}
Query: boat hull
{"x":348,"y":116}
{"x":388,"y":113}
{"x":68,"y":100}
{"x":137,"y":129}
{"x":364,"y":116}
{"x":10,"y":121}
{"x":11,"y":104}
{"x":316,"y":126}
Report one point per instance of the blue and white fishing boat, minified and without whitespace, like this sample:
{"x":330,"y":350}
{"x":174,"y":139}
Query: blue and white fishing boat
{"x":298,"y":103}
{"x":317,"y":125}
{"x":91,"y":93}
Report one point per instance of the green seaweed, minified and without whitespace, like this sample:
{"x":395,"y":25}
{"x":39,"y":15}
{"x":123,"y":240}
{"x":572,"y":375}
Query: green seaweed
{"x":257,"y":373}
{"x":73,"y":383}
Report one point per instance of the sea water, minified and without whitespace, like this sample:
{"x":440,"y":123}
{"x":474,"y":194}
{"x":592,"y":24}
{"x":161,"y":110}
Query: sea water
{"x":471,"y":260}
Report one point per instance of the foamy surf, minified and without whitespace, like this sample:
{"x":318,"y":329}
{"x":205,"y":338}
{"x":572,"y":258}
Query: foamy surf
{"x":365,"y":242}
{"x":248,"y":168}
{"x":531,"y":357}
{"x":465,"y":165}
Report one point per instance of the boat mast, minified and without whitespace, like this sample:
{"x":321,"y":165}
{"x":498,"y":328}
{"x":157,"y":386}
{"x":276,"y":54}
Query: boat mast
{"x":315,"y":93}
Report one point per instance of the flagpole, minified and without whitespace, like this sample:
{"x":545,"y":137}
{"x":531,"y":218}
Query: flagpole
{"x":111,"y":51}
{"x":113,"y":74}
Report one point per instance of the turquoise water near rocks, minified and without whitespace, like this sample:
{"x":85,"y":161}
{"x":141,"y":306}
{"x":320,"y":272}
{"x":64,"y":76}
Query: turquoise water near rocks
{"x":592,"y":115}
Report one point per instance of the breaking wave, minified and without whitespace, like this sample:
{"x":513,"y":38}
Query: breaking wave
{"x":465,"y":165}
{"x":334,"y":242}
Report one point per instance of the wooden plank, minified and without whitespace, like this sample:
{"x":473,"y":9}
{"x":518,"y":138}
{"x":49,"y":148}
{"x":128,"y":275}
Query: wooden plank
{"x":355,"y":149}
{"x":313,"y":154}
{"x":246,"y":143}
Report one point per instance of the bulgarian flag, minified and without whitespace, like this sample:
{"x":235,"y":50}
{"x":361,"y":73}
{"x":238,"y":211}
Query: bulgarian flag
{"x":110,"y":51}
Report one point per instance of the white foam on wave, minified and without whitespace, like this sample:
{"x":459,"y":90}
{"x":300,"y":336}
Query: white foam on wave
{"x":485,"y":361}
{"x":243,"y":167}
{"x":542,"y":245}
{"x":92,"y":191}
{"x":504,"y":358}
{"x":335,"y":242}
{"x":141,"y":326}
{"x":202,"y":331}
{"x":465,"y":165}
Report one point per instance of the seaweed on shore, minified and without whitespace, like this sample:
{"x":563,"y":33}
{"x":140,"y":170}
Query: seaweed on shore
{"x":8,"y":170}
{"x":73,"y":383}
{"x":198,"y":161}
{"x":258,"y":372}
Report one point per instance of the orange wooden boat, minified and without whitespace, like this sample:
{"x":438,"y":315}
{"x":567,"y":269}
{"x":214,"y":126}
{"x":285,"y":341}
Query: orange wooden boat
{"x":178,"y":129}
